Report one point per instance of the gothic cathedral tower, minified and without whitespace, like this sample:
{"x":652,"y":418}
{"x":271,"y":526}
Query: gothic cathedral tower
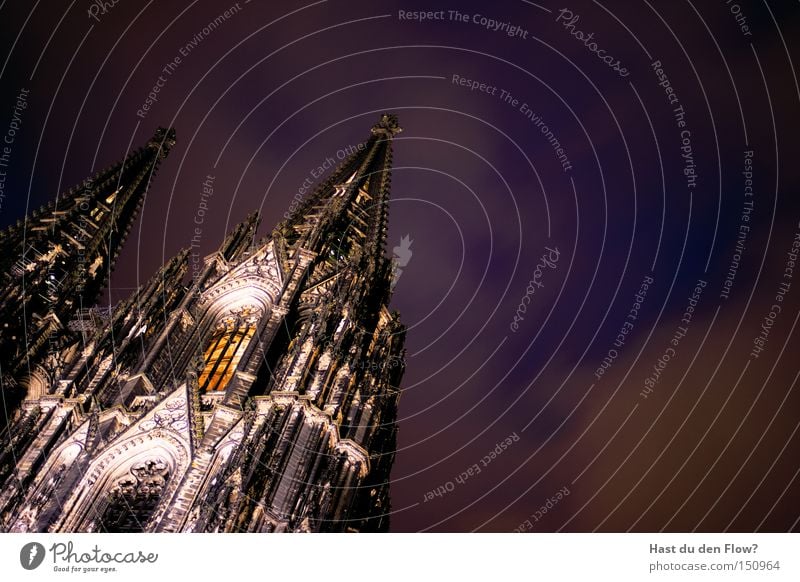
{"x":54,"y":264}
{"x":261,"y":396}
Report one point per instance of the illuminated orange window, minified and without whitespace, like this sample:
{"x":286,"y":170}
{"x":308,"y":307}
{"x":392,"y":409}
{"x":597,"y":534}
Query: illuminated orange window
{"x":224,"y":352}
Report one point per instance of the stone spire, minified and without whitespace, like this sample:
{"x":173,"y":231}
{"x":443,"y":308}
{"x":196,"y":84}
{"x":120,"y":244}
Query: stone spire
{"x":345,"y":218}
{"x":58,"y":259}
{"x":261,"y":396}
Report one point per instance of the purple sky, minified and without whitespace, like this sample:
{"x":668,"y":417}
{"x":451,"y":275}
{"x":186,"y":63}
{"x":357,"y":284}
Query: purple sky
{"x":267,"y":95}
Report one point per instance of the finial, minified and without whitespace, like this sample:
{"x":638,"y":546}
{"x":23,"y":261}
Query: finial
{"x":164,"y":138}
{"x":387,"y":125}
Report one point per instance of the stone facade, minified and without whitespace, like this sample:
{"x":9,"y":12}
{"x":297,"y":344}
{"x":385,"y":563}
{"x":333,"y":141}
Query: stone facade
{"x":261,"y":396}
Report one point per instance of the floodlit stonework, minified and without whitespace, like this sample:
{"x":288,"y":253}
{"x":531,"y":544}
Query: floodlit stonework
{"x":260,"y":396}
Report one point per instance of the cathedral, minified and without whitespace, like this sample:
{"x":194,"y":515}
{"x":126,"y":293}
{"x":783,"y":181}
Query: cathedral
{"x":259,"y":395}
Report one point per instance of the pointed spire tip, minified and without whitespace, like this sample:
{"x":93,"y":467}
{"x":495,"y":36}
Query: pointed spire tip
{"x":164,"y":138}
{"x":387,"y":125}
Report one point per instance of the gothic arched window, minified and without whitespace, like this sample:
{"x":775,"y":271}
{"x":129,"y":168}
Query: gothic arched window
{"x":135,"y":497}
{"x":225,"y":349}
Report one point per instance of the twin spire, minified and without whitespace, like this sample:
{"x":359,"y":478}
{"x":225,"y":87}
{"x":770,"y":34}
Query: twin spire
{"x":58,"y":260}
{"x":346,"y":217}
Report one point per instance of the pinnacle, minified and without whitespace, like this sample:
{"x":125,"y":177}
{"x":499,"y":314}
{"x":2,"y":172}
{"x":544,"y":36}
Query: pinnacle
{"x":164,"y":138}
{"x":387,"y":125}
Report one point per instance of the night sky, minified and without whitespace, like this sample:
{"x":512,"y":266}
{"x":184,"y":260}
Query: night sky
{"x":601,"y":297}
